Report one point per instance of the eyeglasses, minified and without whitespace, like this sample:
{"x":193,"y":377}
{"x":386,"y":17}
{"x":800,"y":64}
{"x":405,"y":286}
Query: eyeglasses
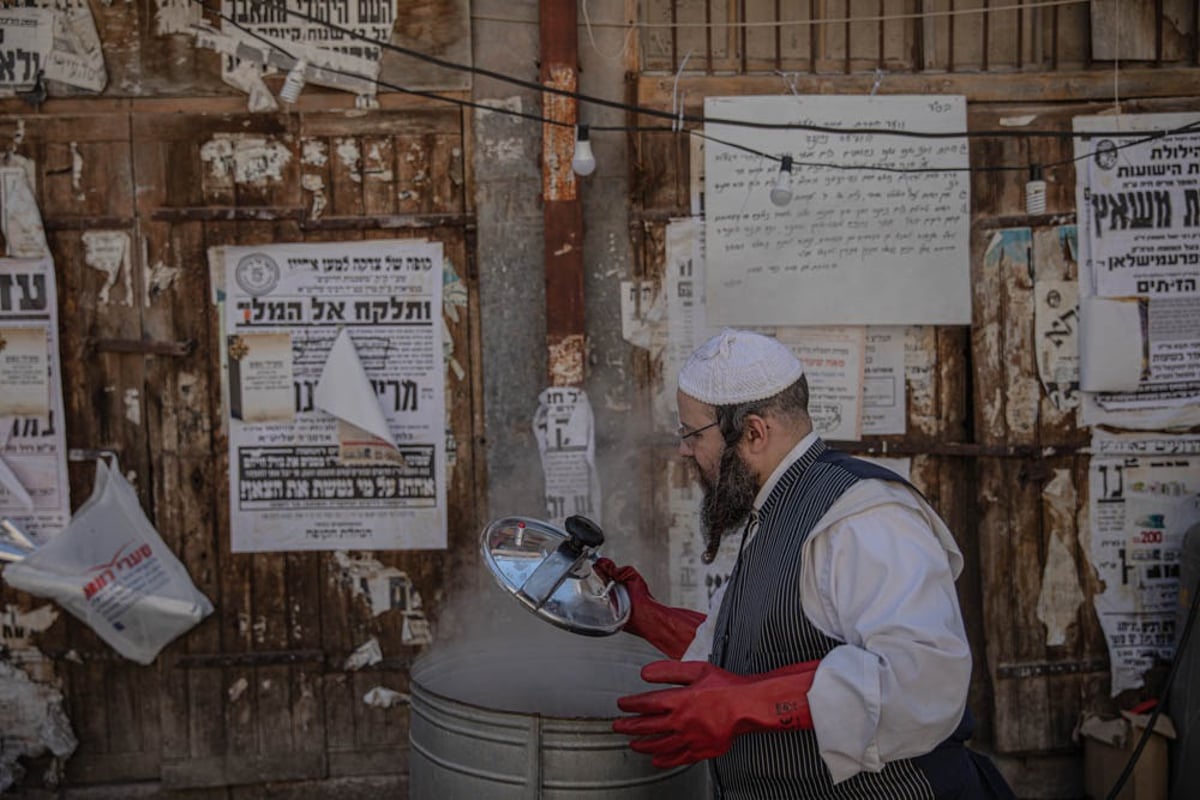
{"x":684,"y":433}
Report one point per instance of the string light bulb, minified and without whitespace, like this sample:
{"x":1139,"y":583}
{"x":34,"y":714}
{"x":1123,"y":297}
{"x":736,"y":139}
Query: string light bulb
{"x":294,"y":83}
{"x":1035,"y":191}
{"x":584,"y":160}
{"x":781,"y":192}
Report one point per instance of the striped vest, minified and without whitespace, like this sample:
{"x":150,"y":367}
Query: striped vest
{"x":761,"y":626}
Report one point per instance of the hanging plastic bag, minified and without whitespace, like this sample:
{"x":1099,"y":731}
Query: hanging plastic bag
{"x":112,"y":570}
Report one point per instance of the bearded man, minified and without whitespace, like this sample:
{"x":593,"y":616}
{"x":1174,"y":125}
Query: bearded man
{"x":837,"y":665}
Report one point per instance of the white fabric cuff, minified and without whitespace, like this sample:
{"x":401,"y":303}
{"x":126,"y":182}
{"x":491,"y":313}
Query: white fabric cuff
{"x":845,"y":704}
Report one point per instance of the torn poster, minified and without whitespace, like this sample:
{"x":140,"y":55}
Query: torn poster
{"x":866,"y":247}
{"x":833,"y":361}
{"x":26,"y":36}
{"x":885,"y":405}
{"x":76,"y":58}
{"x":304,"y":480}
{"x":1055,"y":334}
{"x":1144,"y":493}
{"x":687,"y":327}
{"x":564,"y":428}
{"x":34,"y":492}
{"x":694,"y":584}
{"x":386,"y":589}
{"x":20,"y":217}
{"x":1139,"y":206}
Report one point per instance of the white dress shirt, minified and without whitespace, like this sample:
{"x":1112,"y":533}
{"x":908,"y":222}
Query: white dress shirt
{"x":878,"y":574}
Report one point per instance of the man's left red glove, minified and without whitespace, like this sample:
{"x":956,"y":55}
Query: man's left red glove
{"x":699,"y":719}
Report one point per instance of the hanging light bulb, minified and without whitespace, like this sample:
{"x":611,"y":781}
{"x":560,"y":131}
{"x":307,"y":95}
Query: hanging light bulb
{"x":294,"y":83}
{"x":781,"y":192}
{"x":584,"y":161}
{"x":1035,"y":191}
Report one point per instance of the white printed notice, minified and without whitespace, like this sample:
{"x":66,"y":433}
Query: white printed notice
{"x":860,"y":241}
{"x":301,"y":476}
{"x":34,"y":493}
{"x":1144,"y":493}
{"x":833,"y":361}
{"x":564,"y":428}
{"x":884,"y":403}
{"x":1140,"y":206}
{"x":26,"y":35}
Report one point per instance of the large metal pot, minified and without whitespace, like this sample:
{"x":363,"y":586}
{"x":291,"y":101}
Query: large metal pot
{"x":493,"y":721}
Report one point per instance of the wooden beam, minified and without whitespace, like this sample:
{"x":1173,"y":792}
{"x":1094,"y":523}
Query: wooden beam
{"x":655,"y":91}
{"x":562,"y":212}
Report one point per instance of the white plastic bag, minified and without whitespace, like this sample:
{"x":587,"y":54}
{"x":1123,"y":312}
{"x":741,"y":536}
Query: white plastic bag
{"x":112,"y":570}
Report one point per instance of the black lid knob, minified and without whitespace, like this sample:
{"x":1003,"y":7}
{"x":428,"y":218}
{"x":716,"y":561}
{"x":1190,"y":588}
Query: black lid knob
{"x":584,"y":532}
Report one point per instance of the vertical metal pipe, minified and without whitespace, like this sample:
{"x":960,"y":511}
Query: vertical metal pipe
{"x":562,"y":212}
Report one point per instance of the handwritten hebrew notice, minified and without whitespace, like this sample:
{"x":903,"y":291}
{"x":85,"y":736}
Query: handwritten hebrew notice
{"x":1141,"y":207}
{"x":859,"y":242}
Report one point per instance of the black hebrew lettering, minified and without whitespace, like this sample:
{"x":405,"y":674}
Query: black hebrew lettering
{"x":30,"y":297}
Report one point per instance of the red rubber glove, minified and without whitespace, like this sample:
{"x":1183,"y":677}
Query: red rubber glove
{"x":699,"y":720}
{"x":669,"y":629}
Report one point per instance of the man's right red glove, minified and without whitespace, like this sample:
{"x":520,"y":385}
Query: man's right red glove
{"x":669,"y":629}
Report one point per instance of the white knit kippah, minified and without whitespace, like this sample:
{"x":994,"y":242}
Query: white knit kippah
{"x":738,"y":367}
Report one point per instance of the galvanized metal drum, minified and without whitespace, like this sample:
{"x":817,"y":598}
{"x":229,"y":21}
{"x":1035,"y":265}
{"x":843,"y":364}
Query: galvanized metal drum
{"x":518,"y":721}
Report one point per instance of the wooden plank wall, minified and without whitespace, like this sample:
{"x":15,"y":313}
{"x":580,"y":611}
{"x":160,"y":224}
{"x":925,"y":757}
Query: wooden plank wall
{"x":258,"y":692}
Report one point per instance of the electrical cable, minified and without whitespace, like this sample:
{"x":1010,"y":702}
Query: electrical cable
{"x":653,"y":112}
{"x":1162,"y":700}
{"x":544,"y":120}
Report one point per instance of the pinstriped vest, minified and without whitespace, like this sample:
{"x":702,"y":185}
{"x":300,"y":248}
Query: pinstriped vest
{"x":761,"y":626}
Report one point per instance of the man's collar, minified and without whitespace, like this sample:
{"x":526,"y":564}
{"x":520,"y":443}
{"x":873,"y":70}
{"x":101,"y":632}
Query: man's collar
{"x":793,"y":455}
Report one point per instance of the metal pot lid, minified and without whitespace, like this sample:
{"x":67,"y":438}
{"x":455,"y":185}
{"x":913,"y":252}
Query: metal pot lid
{"x":549,"y":571}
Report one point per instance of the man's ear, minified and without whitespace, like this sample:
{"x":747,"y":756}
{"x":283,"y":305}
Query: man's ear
{"x":755,"y":433}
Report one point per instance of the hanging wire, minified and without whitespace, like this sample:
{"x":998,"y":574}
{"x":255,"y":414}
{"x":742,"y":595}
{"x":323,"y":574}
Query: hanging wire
{"x":676,"y":118}
{"x":640,"y":110}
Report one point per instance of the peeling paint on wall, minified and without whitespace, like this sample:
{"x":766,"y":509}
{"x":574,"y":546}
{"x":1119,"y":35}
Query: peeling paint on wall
{"x":566,"y":358}
{"x":385,"y":589}
{"x":175,"y":16}
{"x":558,"y":141}
{"x":920,"y":357}
{"x":34,"y":723}
{"x":249,"y":159}
{"x":316,"y":185}
{"x":158,"y":279}
{"x":498,"y":149}
{"x":108,"y":251}
{"x":76,"y":168}
{"x":1061,"y":594}
{"x":383,"y":697}
{"x":351,"y":157}
{"x":375,"y":164}
{"x":365,"y":655}
{"x":314,"y":152}
{"x":133,"y":407}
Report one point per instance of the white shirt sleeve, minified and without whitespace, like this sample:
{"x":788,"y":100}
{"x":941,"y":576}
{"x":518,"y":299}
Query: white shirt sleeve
{"x":882,"y":582}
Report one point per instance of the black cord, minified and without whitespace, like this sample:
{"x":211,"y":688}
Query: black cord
{"x":1162,"y":700}
{"x":772,"y":157}
{"x":676,"y":119}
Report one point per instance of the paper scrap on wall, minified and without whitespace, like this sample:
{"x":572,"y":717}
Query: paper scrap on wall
{"x":26,"y":36}
{"x":306,"y":478}
{"x":885,"y":402}
{"x":565,"y":431}
{"x":1055,"y":333}
{"x":34,"y":492}
{"x":21,"y":219}
{"x":1144,"y":493}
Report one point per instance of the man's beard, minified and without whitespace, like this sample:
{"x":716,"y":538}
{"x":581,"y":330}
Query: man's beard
{"x":726,"y":503}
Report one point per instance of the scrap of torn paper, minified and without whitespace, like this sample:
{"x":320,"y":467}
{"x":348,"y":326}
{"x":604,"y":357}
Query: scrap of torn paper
{"x":564,"y":429}
{"x":1144,"y":494}
{"x":108,"y":251}
{"x":1055,"y":331}
{"x":386,"y":589}
{"x":345,"y":391}
{"x":833,"y":361}
{"x":21,"y":220}
{"x":260,"y":377}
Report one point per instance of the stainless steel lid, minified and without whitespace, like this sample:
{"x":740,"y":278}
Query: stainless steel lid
{"x":549,"y":571}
